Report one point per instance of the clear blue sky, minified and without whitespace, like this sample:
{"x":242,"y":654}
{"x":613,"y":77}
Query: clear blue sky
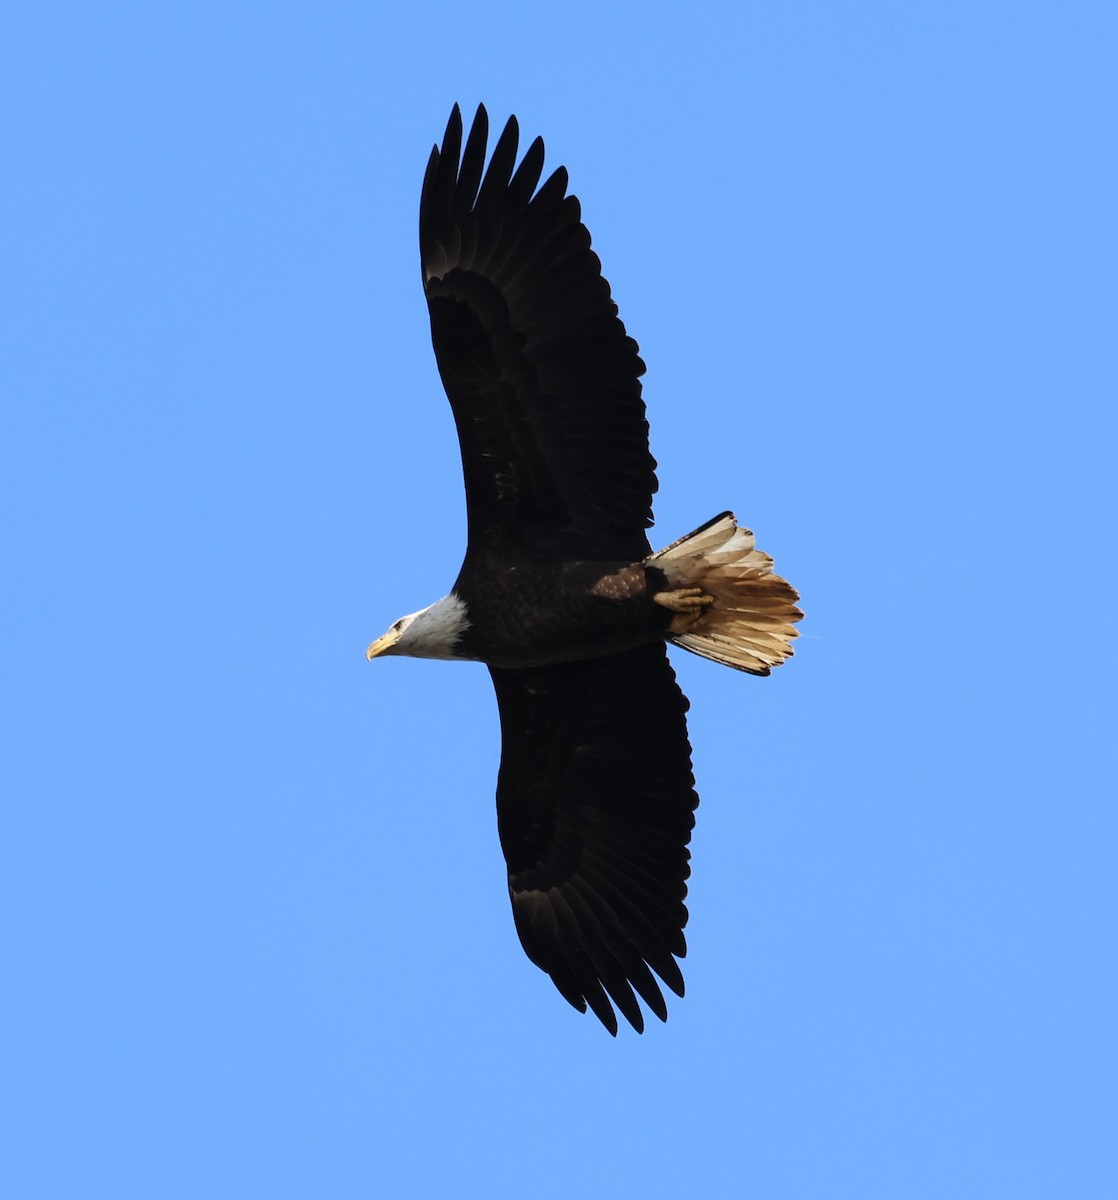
{"x":256,"y":940}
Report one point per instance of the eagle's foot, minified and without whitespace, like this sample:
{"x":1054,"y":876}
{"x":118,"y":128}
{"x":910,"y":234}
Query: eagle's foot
{"x":690,"y":600}
{"x":690,"y":603}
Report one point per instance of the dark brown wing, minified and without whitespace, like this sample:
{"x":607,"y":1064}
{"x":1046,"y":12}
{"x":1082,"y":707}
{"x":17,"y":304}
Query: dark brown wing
{"x":595,"y":806}
{"x":543,"y":381}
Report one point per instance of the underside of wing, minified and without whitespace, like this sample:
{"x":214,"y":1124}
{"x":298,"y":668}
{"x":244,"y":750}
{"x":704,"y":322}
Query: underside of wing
{"x":595,"y":806}
{"x":542,"y":378}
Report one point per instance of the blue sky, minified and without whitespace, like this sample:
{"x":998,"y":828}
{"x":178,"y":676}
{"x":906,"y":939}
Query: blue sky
{"x":256,"y":940}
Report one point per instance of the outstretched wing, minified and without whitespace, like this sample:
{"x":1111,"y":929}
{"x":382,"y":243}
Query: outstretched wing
{"x":595,"y":807}
{"x":543,"y":381}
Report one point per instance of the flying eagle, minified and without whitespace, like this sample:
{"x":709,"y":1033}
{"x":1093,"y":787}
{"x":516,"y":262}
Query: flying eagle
{"x":560,"y":594}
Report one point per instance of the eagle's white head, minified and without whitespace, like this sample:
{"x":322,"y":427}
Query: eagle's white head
{"x":433,"y":632}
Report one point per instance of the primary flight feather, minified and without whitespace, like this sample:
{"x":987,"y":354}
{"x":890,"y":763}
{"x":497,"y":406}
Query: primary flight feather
{"x":559,"y":593}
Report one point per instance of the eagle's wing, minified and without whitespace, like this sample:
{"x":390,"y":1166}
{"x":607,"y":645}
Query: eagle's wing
{"x":595,"y":806}
{"x":543,"y":381}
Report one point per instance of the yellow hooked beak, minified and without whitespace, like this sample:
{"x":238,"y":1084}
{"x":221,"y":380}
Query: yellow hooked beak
{"x":385,"y":644}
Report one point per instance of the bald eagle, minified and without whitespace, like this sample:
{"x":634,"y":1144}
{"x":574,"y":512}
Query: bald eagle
{"x":560,"y":594}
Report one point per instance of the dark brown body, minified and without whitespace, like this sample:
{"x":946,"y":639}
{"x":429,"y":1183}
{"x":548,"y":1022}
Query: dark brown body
{"x":531,"y":615}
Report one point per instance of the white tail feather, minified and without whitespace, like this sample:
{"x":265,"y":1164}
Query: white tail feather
{"x":751,"y":623}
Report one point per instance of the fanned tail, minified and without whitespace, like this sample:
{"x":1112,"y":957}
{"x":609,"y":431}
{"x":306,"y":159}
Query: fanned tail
{"x":750,"y":625}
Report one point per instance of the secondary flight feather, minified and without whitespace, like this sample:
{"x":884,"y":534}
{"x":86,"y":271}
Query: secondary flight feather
{"x":559,"y":593}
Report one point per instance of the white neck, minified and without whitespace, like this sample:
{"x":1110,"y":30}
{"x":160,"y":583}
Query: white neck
{"x":433,"y":632}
